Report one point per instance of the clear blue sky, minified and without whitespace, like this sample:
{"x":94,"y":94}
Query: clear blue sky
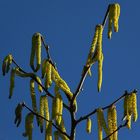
{"x":68,"y":27}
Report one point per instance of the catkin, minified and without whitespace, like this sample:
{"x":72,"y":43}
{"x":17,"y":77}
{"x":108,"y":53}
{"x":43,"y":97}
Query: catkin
{"x":12,"y":82}
{"x":48,"y":80}
{"x":6,"y":63}
{"x":28,"y":126}
{"x":36,"y":50}
{"x":109,"y":120}
{"x":48,"y":133}
{"x":44,"y":111}
{"x":100,"y":75}
{"x":41,"y":121}
{"x":134,"y":106}
{"x":56,"y":135}
{"x":88,"y":126}
{"x":100,"y":131}
{"x":114,"y":123}
{"x":33,"y":98}
{"x":114,"y":13}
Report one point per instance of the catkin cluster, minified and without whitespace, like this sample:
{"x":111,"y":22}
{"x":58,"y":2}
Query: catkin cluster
{"x":101,"y":124}
{"x":114,"y":13}
{"x":112,"y":122}
{"x":130,"y":108}
{"x":36,"y":51}
{"x":96,"y":54}
{"x":51,"y":74}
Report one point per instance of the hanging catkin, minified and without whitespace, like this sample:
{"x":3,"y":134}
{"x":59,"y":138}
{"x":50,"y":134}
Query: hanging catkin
{"x":36,"y":51}
{"x":12,"y":82}
{"x":6,"y":64}
{"x":88,"y":125}
{"x":28,"y":126}
{"x":114,"y":13}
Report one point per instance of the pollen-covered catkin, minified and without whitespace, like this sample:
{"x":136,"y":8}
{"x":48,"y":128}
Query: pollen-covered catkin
{"x":114,"y":122}
{"x":12,"y":82}
{"x":92,"y":50}
{"x":100,"y":131}
{"x":109,"y":120}
{"x":28,"y":126}
{"x":88,"y":126}
{"x":48,"y":133}
{"x":100,"y":69}
{"x":36,"y":50}
{"x":41,"y":121}
{"x":48,"y":80}
{"x":102,"y":120}
{"x":114,"y":13}
{"x":33,"y":98}
{"x":128,"y":110}
{"x":134,"y":106}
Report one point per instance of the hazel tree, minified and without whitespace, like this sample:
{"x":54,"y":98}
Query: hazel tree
{"x":50,"y":119}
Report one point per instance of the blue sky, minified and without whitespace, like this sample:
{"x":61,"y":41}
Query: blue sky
{"x":68,"y":27}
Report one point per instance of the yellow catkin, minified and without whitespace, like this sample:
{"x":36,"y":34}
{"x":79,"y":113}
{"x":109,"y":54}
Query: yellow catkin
{"x":92,"y":50}
{"x":44,"y":111}
{"x":129,"y":111}
{"x":36,"y":50}
{"x":33,"y":98}
{"x":134,"y":106}
{"x":102,"y":120}
{"x":109,"y":120}
{"x":100,"y":131}
{"x":114,"y":122}
{"x":88,"y":126}
{"x":99,"y":41}
{"x":100,"y":75}
{"x":39,"y":86}
{"x":41,"y":121}
{"x":59,"y":106}
{"x":48,"y":133}
{"x":28,"y":126}
{"x":12,"y":82}
{"x":48,"y":80}
{"x":114,"y":13}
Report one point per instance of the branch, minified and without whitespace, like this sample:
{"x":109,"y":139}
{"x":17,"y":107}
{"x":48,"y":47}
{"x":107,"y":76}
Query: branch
{"x":83,"y":77}
{"x":95,"y":110}
{"x":34,"y":78}
{"x":64,"y":133}
{"x":119,"y":127}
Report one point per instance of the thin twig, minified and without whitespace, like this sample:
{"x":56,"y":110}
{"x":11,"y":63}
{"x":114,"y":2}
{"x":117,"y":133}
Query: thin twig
{"x":64,"y":133}
{"x":119,"y":127}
